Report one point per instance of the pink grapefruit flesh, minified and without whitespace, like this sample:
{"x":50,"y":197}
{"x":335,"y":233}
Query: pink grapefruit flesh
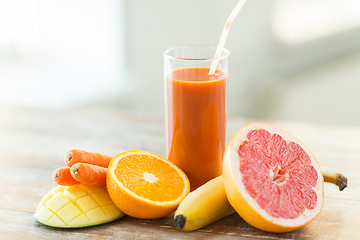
{"x":271,"y":179}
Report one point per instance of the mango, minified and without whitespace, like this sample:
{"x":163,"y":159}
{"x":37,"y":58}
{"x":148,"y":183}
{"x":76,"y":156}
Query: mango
{"x":76,"y":206}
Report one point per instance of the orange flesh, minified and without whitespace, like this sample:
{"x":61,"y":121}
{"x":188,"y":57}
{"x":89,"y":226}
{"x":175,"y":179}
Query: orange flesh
{"x":197,"y":122}
{"x":150,"y":178}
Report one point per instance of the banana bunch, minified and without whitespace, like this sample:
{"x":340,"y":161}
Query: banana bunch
{"x":208,"y":203}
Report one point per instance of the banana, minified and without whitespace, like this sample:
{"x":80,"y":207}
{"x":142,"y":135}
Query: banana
{"x":336,"y":178}
{"x":209,"y":203}
{"x":203,"y":206}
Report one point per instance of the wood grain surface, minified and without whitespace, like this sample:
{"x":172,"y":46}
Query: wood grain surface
{"x":33,"y":143}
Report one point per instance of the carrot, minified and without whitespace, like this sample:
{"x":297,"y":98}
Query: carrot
{"x":62,"y":176}
{"x":76,"y":156}
{"x":89,"y":174}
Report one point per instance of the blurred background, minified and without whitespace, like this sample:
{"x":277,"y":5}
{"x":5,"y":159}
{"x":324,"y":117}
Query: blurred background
{"x":296,"y":60}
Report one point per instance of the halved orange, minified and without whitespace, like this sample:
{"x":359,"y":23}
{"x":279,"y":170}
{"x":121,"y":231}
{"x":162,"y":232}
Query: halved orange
{"x":145,"y":185}
{"x":272,"y":179}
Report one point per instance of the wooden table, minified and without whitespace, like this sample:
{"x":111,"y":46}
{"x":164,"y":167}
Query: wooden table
{"x":33,"y":143}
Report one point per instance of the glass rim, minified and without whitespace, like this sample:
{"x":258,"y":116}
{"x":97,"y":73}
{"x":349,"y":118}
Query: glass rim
{"x":224,"y":53}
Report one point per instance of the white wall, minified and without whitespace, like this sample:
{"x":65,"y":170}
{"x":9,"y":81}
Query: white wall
{"x":60,"y":53}
{"x":85,"y":52}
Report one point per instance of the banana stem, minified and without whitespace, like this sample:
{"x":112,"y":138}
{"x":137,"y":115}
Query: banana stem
{"x":336,"y":178}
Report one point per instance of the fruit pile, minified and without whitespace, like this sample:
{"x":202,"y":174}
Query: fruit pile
{"x":81,"y":199}
{"x":270,"y":179}
{"x":96,"y":188}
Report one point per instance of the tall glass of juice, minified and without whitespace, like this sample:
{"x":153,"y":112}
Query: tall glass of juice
{"x":195,"y":105}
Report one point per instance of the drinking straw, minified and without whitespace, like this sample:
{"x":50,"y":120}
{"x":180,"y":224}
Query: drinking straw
{"x":224,"y":34}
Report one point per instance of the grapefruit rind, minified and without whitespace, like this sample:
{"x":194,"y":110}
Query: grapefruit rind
{"x":241,"y":200}
{"x":125,"y":199}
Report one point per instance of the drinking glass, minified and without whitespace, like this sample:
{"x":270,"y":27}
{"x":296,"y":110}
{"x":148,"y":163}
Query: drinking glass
{"x":195,"y":105}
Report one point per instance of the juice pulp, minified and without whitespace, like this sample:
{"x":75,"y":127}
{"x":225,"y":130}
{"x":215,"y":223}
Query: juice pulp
{"x":196,"y":105}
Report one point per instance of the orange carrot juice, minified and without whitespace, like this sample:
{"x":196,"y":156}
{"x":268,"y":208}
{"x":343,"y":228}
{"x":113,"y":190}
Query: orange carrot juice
{"x":196,"y":105}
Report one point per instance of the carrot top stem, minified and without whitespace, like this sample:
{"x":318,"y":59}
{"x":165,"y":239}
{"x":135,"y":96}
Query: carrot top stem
{"x":68,"y":156}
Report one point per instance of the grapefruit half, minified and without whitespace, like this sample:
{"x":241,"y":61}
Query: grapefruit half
{"x":272,"y":179}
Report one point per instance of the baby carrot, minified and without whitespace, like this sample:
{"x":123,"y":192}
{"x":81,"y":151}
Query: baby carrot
{"x":89,"y":174}
{"x":62,"y":176}
{"x":76,"y":156}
